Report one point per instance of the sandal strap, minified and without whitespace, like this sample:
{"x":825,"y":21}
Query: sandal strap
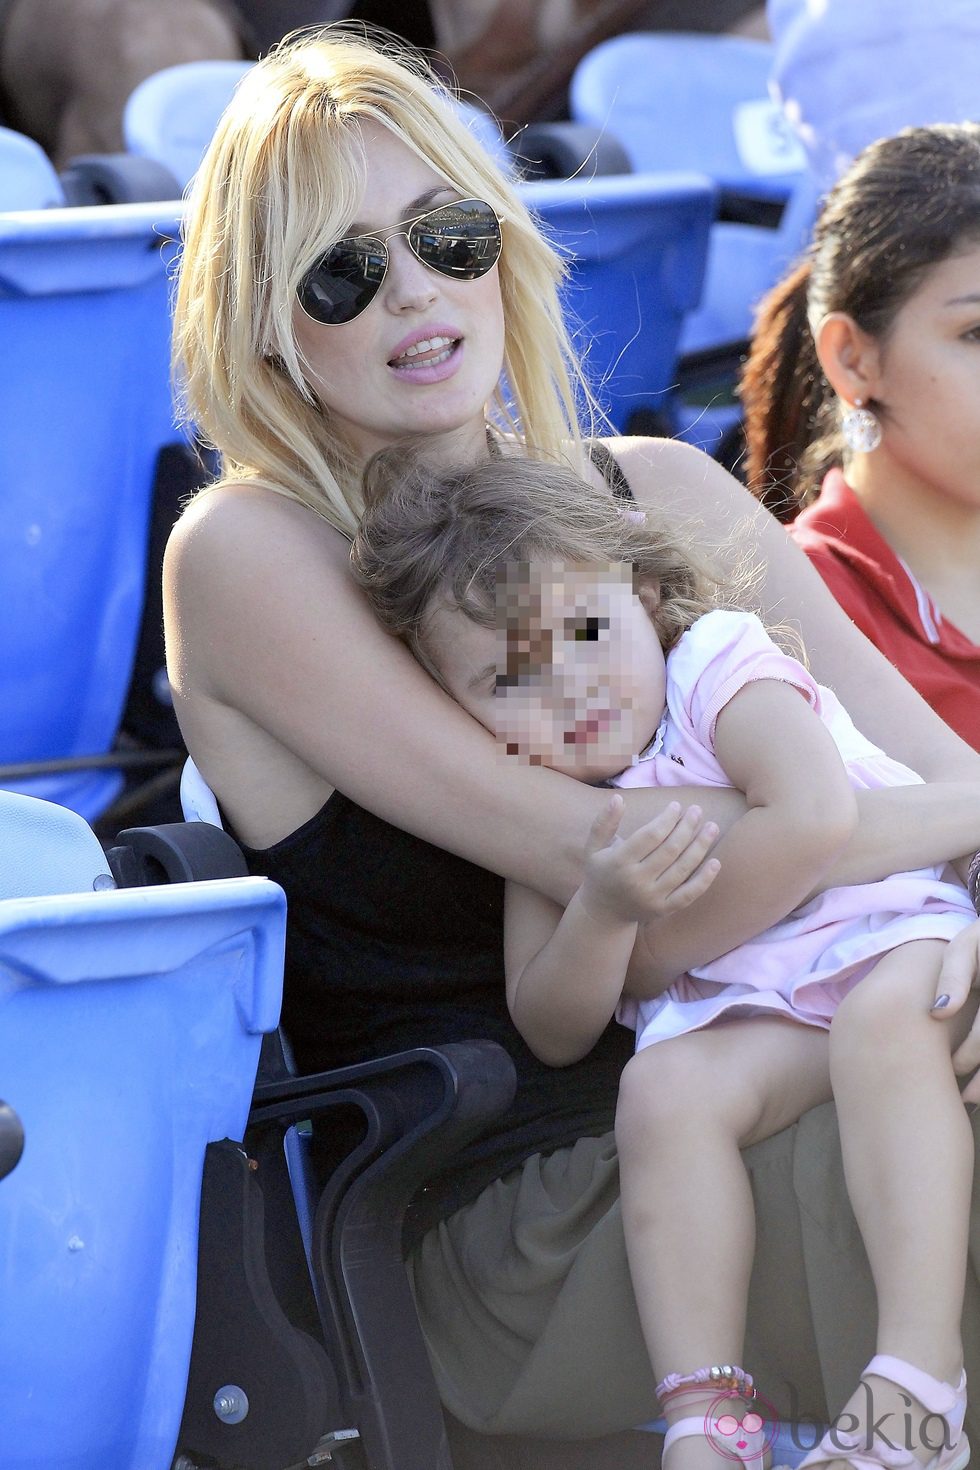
{"x":684,"y":1429}
{"x":695,"y":1424}
{"x":838,"y":1444}
{"x":935,"y":1395}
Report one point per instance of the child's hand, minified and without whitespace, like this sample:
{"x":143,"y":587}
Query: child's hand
{"x":661,"y":868}
{"x":960,"y":974}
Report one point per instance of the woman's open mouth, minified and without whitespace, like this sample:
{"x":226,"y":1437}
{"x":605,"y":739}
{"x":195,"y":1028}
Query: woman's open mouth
{"x":428,"y":361}
{"x":428,"y":351}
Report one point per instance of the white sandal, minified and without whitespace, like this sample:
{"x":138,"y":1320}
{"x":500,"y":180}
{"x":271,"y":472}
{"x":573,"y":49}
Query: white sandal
{"x":940,"y":1400}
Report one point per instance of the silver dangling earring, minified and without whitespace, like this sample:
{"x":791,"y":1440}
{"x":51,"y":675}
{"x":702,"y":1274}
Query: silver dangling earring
{"x":861,"y":430}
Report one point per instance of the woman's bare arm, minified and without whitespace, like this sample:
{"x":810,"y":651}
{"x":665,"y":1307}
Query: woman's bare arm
{"x":907,"y":827}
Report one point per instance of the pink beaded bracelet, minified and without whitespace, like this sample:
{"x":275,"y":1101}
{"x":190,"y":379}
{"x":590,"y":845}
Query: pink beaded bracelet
{"x":725,"y":1377}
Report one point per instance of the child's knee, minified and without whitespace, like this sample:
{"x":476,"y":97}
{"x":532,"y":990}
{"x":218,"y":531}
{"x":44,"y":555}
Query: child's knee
{"x":892,"y":1000}
{"x":660,"y":1087}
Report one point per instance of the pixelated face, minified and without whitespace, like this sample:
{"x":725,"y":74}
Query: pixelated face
{"x":572,"y":678}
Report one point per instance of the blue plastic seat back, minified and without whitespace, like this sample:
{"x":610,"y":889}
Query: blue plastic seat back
{"x":695,"y":101}
{"x":86,"y":404}
{"x":678,"y":101}
{"x":27,"y":176}
{"x":172,"y":114}
{"x":637,"y":245}
{"x":130,"y":1025}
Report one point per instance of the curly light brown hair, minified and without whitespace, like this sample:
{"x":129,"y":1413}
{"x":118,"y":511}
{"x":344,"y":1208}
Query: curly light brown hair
{"x":433,"y":536}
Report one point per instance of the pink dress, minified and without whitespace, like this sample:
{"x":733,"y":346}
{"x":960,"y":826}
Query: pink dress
{"x":803,"y":966}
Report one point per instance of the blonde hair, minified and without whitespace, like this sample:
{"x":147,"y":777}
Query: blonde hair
{"x":431,"y":535}
{"x":278,"y":186}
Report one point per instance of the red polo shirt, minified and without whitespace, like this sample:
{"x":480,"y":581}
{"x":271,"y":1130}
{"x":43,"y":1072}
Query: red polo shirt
{"x":879,"y":593}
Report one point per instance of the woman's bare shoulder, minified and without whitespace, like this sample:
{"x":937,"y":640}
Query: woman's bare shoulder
{"x":682,"y":481}
{"x":219,"y":526}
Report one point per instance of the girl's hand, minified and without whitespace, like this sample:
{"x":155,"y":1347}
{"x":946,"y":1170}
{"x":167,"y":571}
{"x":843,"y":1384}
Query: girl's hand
{"x":959,"y":975}
{"x":660,"y":868}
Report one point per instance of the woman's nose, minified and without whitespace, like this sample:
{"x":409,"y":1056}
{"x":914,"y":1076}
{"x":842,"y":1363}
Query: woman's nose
{"x":410,"y":285}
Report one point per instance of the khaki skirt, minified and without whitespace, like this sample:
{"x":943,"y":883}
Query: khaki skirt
{"x":527,"y":1309}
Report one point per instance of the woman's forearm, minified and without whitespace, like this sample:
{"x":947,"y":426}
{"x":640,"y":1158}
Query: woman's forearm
{"x":907,"y":827}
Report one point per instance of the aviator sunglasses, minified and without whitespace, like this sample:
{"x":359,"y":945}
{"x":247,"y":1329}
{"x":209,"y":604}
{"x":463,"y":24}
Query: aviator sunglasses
{"x":461,"y":240}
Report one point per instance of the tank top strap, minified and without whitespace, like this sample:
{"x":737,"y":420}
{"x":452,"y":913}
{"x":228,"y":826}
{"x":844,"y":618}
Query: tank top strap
{"x":609,"y":468}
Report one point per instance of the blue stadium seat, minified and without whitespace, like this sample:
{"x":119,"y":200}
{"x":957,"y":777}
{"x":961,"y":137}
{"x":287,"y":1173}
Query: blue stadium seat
{"x":637,"y":246}
{"x":701,"y":102}
{"x":27,"y":176}
{"x":130,"y":1028}
{"x":86,"y":405}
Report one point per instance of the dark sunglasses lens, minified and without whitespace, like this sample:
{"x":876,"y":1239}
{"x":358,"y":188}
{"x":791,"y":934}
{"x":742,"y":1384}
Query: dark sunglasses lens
{"x":461,"y":240}
{"x":344,"y":282}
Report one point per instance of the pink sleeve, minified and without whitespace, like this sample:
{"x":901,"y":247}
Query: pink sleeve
{"x":722,"y":653}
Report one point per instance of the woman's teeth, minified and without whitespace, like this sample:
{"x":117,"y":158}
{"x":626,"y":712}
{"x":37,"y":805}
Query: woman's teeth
{"x":439,"y":347}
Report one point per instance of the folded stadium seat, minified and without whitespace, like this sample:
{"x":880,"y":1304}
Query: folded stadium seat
{"x":685,"y":101}
{"x":171,"y":116}
{"x":130,"y":1029}
{"x":637,"y":246}
{"x":86,"y":405}
{"x":27,"y":176}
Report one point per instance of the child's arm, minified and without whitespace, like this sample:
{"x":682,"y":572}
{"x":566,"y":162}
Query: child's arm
{"x":774,"y":747}
{"x":565,"y":970}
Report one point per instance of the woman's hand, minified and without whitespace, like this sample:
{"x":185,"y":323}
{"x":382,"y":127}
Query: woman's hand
{"x":659,"y":869}
{"x":958,"y":977}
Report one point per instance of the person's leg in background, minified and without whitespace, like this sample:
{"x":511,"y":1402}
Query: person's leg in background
{"x":68,"y":66}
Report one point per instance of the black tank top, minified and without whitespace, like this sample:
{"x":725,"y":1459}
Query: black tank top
{"x":393,"y":943}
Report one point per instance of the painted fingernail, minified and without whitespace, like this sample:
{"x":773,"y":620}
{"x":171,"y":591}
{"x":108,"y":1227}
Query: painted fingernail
{"x":940,"y":1003}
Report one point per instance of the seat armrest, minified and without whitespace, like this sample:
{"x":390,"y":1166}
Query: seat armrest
{"x":565,"y":150}
{"x":418,"y":1109}
{"x":174,"y":852}
{"x":117,"y":178}
{"x":11,"y":1139}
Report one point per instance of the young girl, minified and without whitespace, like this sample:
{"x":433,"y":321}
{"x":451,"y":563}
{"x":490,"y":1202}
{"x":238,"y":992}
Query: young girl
{"x":860,"y":393}
{"x":591,"y":643}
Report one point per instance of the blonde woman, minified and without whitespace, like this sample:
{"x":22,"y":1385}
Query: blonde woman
{"x":358,"y":274}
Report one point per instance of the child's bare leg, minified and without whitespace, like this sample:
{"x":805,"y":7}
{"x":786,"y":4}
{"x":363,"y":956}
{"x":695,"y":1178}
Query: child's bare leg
{"x":686,"y":1108}
{"x":908,"y":1162}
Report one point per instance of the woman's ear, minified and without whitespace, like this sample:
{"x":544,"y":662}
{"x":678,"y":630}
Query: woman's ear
{"x":849,"y":356}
